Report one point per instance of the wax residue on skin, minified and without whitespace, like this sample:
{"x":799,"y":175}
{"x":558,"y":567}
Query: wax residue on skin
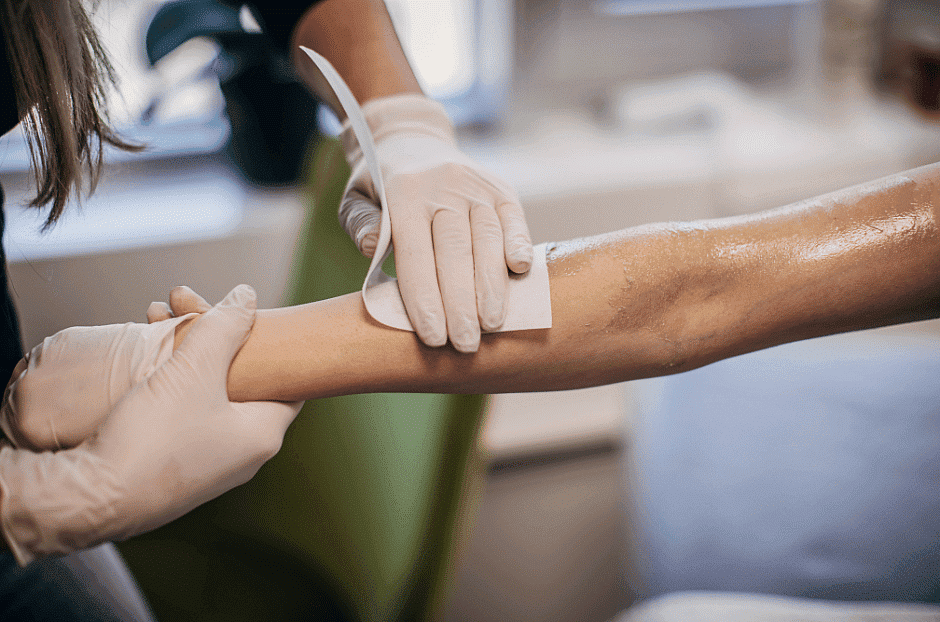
{"x":570,"y":257}
{"x":643,"y":291}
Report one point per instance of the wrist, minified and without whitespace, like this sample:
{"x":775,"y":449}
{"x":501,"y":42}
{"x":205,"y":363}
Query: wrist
{"x":402,"y":113}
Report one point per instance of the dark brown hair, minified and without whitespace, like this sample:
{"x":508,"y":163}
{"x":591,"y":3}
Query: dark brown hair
{"x":60,"y":74}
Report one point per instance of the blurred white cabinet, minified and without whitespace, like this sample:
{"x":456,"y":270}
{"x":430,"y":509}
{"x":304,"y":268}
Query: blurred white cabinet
{"x":152,"y":225}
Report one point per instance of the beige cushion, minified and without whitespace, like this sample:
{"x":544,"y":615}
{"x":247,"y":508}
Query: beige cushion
{"x":727,"y":607}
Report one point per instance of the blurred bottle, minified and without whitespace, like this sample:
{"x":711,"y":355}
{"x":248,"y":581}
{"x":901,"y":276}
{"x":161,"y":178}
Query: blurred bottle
{"x":273,"y":116}
{"x":908,"y":59}
{"x":849,"y":43}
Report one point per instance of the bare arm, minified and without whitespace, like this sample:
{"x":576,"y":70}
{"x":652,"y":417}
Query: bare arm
{"x":641,"y":302}
{"x":359,"y":40}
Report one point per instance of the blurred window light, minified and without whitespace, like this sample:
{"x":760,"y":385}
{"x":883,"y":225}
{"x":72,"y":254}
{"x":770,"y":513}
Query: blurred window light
{"x":438,"y":36}
{"x":247,"y":20}
{"x":460,"y":51}
{"x":652,"y":7}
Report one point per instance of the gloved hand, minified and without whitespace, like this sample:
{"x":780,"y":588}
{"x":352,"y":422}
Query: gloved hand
{"x":65,"y":386}
{"x":455,"y":227}
{"x":171,"y":444}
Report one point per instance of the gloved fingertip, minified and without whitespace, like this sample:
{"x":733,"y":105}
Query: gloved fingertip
{"x":430,"y":327}
{"x":434,"y":340}
{"x":465,"y":336}
{"x":218,"y":334}
{"x":467,"y":346}
{"x":238,"y":307}
{"x":181,"y":290}
{"x":243,"y":296}
{"x":184,"y":300}
{"x":158,"y":311}
{"x":430,"y":334}
{"x":519,"y":259}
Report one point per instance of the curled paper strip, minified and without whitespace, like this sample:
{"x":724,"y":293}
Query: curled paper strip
{"x":528,"y":300}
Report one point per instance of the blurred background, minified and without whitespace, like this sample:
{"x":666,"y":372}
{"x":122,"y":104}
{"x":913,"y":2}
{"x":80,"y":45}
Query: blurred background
{"x":603,"y":114}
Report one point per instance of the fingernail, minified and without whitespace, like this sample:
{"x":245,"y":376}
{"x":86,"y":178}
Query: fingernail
{"x":158,"y":311}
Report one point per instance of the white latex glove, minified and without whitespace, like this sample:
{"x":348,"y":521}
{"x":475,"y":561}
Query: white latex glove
{"x":171,"y":444}
{"x":66,"y":386}
{"x":455,"y":226}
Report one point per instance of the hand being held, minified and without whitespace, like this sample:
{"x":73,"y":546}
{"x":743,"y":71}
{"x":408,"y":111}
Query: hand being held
{"x":65,"y":386}
{"x":172,"y":443}
{"x":455,"y":227}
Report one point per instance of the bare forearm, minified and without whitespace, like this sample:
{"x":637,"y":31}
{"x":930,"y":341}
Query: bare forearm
{"x":333,"y":347}
{"x":641,"y":302}
{"x":860,"y":258}
{"x":359,"y":40}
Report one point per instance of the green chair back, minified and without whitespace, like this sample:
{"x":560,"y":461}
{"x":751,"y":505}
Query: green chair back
{"x":356,"y":517}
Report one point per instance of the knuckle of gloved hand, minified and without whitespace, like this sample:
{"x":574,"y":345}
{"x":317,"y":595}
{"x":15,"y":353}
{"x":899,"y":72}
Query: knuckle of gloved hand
{"x":447,"y":174}
{"x":263,"y":435}
{"x":454,"y":242}
{"x":512,"y":216}
{"x":28,"y":417}
{"x":465,"y":175}
{"x":263,"y":448}
{"x":518,"y":235}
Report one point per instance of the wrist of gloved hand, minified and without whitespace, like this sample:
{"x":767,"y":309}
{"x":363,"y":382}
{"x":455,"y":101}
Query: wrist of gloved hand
{"x":409,"y":112}
{"x":65,"y":386}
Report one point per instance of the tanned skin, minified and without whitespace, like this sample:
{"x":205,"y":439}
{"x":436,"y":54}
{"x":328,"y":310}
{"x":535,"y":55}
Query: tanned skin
{"x":642,"y":302}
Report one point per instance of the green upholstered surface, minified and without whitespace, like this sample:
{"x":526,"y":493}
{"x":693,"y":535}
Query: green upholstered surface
{"x":355,"y":518}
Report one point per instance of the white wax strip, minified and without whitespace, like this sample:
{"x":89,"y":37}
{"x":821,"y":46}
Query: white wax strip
{"x":528,"y":300}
